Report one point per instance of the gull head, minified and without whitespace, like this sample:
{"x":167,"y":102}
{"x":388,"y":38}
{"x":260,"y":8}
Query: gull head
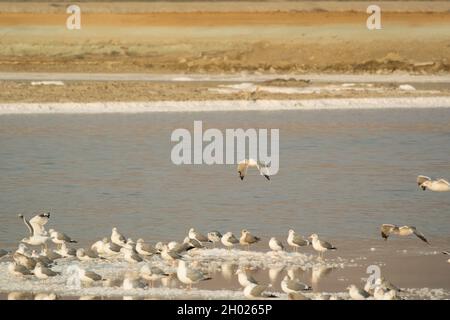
{"x":314,"y":236}
{"x":291,"y":231}
{"x":105,"y":240}
{"x":425,"y":185}
{"x":140,"y":240}
{"x":244,"y":231}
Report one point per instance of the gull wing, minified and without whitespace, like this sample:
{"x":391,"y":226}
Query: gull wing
{"x":264,"y":170}
{"x":444,"y":181}
{"x":298,"y":240}
{"x":326,"y":245}
{"x":420,"y":236}
{"x":242,"y":169}
{"x":27,"y":223}
{"x":422,"y":179}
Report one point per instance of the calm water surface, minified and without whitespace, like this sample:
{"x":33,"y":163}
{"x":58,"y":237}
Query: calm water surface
{"x":342,"y":173}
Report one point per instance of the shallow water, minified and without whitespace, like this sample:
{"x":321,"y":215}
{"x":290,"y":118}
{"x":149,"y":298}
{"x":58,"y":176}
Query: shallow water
{"x":342,"y":173}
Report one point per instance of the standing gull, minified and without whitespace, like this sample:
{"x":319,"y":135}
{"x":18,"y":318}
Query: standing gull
{"x":87,"y":255}
{"x":251,"y":163}
{"x":193,"y":243}
{"x":289,"y":285}
{"x":275,"y":245}
{"x":214,"y":237}
{"x":197,"y":236}
{"x":65,"y":251}
{"x":189,"y":276}
{"x":24,"y":260}
{"x":42,"y":272}
{"x":321,"y":246}
{"x":59,"y":238}
{"x":247,"y":238}
{"x":130,"y":255}
{"x":388,"y":229}
{"x":18,"y":270}
{"x":88,"y":277}
{"x":295,"y":240}
{"x":440,"y":185}
{"x":118,"y":238}
{"x":229,"y":240}
{"x":145,"y":249}
{"x":152,"y":274}
{"x":170,"y":255}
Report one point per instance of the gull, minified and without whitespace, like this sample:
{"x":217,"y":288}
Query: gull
{"x":59,"y":238}
{"x":195,"y":244}
{"x":388,"y":229}
{"x":275,"y":245}
{"x":111,"y":248}
{"x":378,"y":293}
{"x":88,"y":277}
{"x":42,"y":272}
{"x":296,"y":241}
{"x":247,"y":238}
{"x":214,"y":237}
{"x":244,"y":278}
{"x":197,"y":236}
{"x":42,"y":259}
{"x":170,"y":255}
{"x":99,"y":246}
{"x":65,"y":251}
{"x":182,"y":247}
{"x":18,"y":269}
{"x":440,"y":185}
{"x":45,"y":296}
{"x":117,"y":238}
{"x":50,"y":254}
{"x":145,"y":249}
{"x":130,"y":256}
{"x":250,"y":163}
{"x":39,"y":221}
{"x":385,"y":284}
{"x":391,"y":295}
{"x":152,"y":274}
{"x":130,"y":244}
{"x":36,"y":238}
{"x":87,"y":255}
{"x":24,"y":260}
{"x":321,"y":246}
{"x":229,"y":240}
{"x":189,"y":276}
{"x":357,"y":293}
{"x":289,"y":285}
{"x":257,"y":291}
{"x":159,"y":246}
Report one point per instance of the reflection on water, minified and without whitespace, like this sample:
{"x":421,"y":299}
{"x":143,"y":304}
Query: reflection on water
{"x":342,"y":174}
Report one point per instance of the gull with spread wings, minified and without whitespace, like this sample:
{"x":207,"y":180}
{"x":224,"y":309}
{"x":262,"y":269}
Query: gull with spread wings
{"x":262,"y":167}
{"x":388,"y":229}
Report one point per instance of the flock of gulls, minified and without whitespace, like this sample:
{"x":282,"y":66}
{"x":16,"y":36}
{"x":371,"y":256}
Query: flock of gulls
{"x":27,"y":263}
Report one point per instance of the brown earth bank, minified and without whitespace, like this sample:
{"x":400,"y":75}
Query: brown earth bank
{"x":226,"y":42}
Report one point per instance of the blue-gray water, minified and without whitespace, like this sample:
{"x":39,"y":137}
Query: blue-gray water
{"x":342,"y":174}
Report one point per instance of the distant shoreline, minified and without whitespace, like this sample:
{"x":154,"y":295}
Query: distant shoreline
{"x":230,"y":105}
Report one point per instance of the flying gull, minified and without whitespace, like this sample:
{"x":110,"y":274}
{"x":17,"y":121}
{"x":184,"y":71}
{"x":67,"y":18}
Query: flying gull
{"x":388,"y":229}
{"x":251,"y":163}
{"x":440,"y":185}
